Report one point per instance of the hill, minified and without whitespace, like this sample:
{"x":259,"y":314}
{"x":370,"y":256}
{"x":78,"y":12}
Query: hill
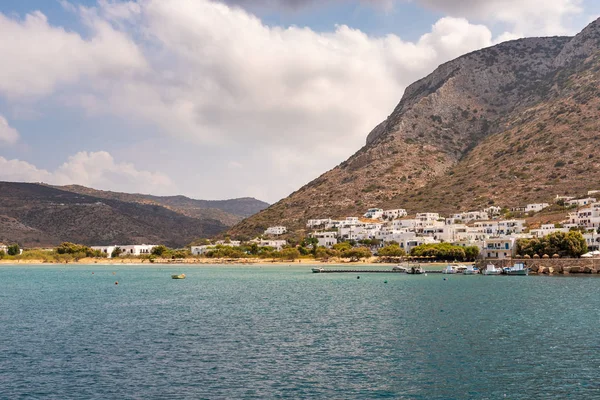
{"x":228,"y":212}
{"x":506,"y":125}
{"x":39,"y":215}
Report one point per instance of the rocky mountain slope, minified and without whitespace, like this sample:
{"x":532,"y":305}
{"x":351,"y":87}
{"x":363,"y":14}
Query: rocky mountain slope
{"x":38,"y":215}
{"x":228,"y":212}
{"x":505,"y":125}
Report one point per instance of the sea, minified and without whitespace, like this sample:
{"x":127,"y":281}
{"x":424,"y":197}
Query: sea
{"x":233,"y":332}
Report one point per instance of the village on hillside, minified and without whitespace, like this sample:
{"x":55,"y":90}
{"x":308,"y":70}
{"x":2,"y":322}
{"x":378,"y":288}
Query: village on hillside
{"x":494,"y":233}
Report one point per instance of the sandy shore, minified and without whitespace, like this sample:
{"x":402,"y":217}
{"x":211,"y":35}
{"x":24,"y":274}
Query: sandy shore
{"x":196,"y":262}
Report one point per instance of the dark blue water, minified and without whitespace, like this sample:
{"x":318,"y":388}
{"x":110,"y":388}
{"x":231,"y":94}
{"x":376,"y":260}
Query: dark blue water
{"x":257,"y":333}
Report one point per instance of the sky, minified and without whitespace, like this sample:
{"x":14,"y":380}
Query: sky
{"x":231,"y":98}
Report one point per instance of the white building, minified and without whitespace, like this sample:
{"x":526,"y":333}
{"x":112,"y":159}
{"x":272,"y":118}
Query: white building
{"x":467,"y":216}
{"x":409,"y":244}
{"x":536,"y":207}
{"x":318,"y":223}
{"x":428,"y":217}
{"x":374,"y":213}
{"x":199,"y":250}
{"x":326,"y":239}
{"x":588,"y":217}
{"x":134,"y":250}
{"x":394,"y":214}
{"x":275,"y":230}
{"x":547,"y":229}
{"x":276,"y":244}
{"x":492,"y":211}
{"x":563,"y":198}
{"x":581,"y":202}
{"x":499,"y":248}
{"x":3,"y":248}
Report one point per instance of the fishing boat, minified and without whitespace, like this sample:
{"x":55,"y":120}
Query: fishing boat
{"x":470,"y":270}
{"x":517,"y":269}
{"x":318,"y":270}
{"x":180,"y":276}
{"x":416,"y":270}
{"x":450,"y":269}
{"x":491,"y":269}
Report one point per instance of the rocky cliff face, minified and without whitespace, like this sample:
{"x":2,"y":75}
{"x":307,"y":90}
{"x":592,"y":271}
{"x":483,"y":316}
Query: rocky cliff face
{"x":486,"y":128}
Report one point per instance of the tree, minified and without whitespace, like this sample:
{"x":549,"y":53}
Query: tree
{"x":116,"y":252}
{"x":13,"y":250}
{"x":342,"y":246}
{"x":392,"y":250}
{"x":357,"y":253}
{"x":571,"y":244}
{"x":159,"y":250}
{"x":289,"y":253}
{"x":2,"y":254}
{"x":440,"y":251}
{"x":471,"y":253}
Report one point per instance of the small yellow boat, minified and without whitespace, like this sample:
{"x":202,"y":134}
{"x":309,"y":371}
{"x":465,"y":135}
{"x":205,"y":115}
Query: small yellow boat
{"x":180,"y":276}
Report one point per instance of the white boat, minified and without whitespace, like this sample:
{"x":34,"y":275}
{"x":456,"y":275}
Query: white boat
{"x":399,"y":268}
{"x":318,"y":270}
{"x":416,"y":270}
{"x":180,"y":276}
{"x":491,"y":269}
{"x":450,"y":269}
{"x":517,"y":269}
{"x":470,"y":270}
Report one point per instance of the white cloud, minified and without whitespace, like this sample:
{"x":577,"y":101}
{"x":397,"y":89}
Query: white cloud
{"x":94,"y":169}
{"x":286,"y":103}
{"x":39,"y":57}
{"x":8,"y":134}
{"x":224,"y":79}
{"x":528,"y":17}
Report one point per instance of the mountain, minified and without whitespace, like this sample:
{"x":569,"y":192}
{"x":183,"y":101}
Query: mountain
{"x":505,"y":125}
{"x":40,"y":215}
{"x":228,"y":212}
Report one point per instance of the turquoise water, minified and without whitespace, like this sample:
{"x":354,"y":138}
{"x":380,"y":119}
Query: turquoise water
{"x":276,"y":332}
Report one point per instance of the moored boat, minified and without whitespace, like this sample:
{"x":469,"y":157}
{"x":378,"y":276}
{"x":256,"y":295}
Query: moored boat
{"x":450,"y":269}
{"x":491,"y":269}
{"x":470,"y":270}
{"x":317,"y":270}
{"x":517,"y":269}
{"x":178,"y":276}
{"x":416,"y":270}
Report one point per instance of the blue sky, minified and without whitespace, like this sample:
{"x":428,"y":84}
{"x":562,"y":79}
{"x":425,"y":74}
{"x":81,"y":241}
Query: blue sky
{"x":220,"y":100}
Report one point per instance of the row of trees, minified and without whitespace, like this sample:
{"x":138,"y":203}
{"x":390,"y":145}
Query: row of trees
{"x":571,"y":244}
{"x":446,"y":252}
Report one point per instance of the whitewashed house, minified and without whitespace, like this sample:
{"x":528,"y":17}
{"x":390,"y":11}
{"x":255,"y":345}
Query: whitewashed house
{"x":276,"y":244}
{"x":318,"y":223}
{"x":499,"y":248}
{"x":200,"y":250}
{"x":133,"y":250}
{"x":563,"y":198}
{"x":3,"y":248}
{"x":581,"y":202}
{"x":275,"y":230}
{"x":467,"y":217}
{"x":547,"y":229}
{"x":428,"y":217}
{"x":374,"y":213}
{"x":394,"y":214}
{"x":536,"y":207}
{"x":326,"y":239}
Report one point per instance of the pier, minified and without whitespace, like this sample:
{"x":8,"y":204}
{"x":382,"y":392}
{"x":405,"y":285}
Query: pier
{"x":369,"y":271}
